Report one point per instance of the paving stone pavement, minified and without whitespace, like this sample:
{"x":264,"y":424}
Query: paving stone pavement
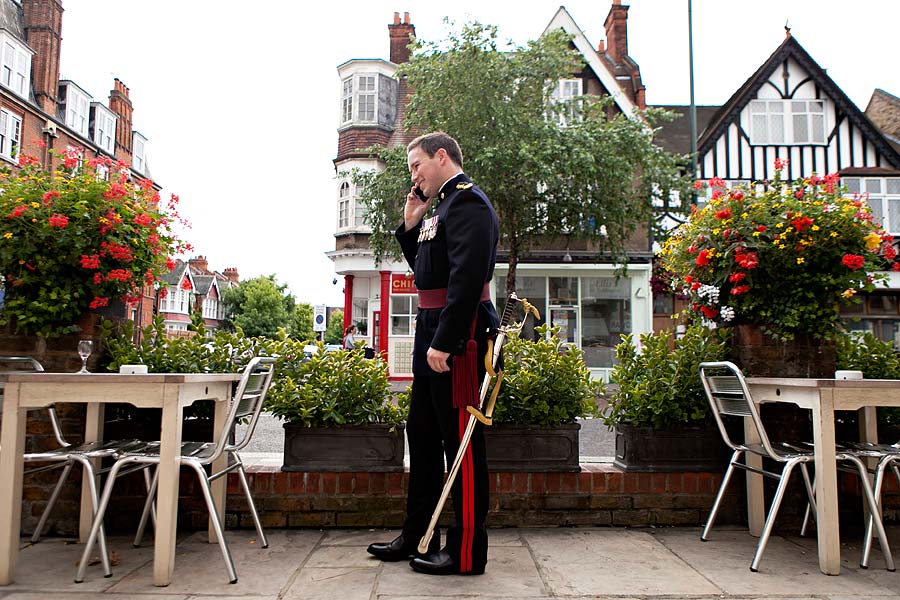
{"x":600,"y":562}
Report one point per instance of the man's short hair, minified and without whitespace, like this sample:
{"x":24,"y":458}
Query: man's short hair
{"x":430,"y":143}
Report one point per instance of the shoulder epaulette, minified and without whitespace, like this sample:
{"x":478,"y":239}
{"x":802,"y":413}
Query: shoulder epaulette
{"x":464,"y":186}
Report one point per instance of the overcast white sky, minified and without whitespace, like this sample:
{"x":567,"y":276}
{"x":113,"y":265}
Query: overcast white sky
{"x":240,"y":99}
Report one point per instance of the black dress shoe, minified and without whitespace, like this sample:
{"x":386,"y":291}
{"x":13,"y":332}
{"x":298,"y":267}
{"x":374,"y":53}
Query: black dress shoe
{"x":440,"y":563}
{"x":400,"y":549}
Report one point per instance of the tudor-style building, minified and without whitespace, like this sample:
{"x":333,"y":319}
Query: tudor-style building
{"x":791,"y":109}
{"x":191,"y":288}
{"x":584,"y":297}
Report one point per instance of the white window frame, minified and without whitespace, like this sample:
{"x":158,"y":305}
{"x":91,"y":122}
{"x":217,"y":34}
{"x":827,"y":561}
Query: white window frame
{"x":782,"y":119}
{"x":882,"y":195}
{"x":409,"y":315}
{"x":565,"y":91}
{"x":15,"y":65}
{"x":347,"y":100}
{"x":104,"y":134}
{"x":344,"y":201}
{"x":359,"y":211}
{"x":77,"y":107}
{"x":10,"y":134}
{"x":139,"y":153}
{"x":359,"y":98}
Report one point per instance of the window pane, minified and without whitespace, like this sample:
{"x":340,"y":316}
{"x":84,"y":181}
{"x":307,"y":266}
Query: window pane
{"x":852,"y":184}
{"x":563,"y":290}
{"x":882,"y":305}
{"x":606,"y":315}
{"x":893,"y":186}
{"x":798,"y":107}
{"x":399,"y":305}
{"x":877,"y":210}
{"x":873,"y":186}
{"x":400,"y":326}
{"x":894,"y":215}
{"x":776,"y":128}
{"x":818,"y":129}
{"x":759,"y":130}
{"x":801,"y":133}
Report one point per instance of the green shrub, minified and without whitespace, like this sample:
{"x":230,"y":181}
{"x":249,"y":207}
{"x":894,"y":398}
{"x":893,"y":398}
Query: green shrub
{"x":660,"y":385}
{"x":546,"y":383}
{"x":877,"y":359}
{"x":326,"y":389}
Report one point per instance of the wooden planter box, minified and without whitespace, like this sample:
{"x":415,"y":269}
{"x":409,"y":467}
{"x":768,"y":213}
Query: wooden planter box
{"x":693,"y":449}
{"x":354,"y":448}
{"x":531,"y":449}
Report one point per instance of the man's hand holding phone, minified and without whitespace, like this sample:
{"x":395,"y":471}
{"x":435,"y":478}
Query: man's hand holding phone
{"x":416,"y":205}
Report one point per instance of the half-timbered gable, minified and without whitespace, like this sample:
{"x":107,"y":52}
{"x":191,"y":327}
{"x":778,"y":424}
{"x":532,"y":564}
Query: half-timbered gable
{"x":791,"y":109}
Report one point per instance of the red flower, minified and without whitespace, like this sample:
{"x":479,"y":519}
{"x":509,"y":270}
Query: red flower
{"x":27,"y":159}
{"x":889,"y":252}
{"x":186,"y":284}
{"x":703,"y":258}
{"x":740,"y":289}
{"x":699,"y":185}
{"x":735,"y":277}
{"x":116,"y":190}
{"x":50,"y":196}
{"x":760,"y":228}
{"x":716,"y":182}
{"x":747,"y":260}
{"x":895,"y":266}
{"x":709,"y":312}
{"x":97,"y":302}
{"x":58,"y":220}
{"x":163,"y":292}
{"x":853,"y":261}
{"x":802,"y":223}
{"x":18,"y":211}
{"x":170,"y":264}
{"x":717,"y":194}
{"x":695,"y":286}
{"x":90,"y":261}
{"x":143,"y":219}
{"x":723,"y":214}
{"x":781,"y":163}
{"x":119,"y":275}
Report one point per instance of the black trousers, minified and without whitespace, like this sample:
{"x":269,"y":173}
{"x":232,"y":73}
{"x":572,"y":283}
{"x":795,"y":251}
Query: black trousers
{"x":434,"y":430}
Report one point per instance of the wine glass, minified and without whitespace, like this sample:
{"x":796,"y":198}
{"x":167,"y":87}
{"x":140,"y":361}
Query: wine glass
{"x":85,"y":347}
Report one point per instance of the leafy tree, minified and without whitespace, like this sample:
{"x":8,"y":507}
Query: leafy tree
{"x":551,"y":168}
{"x":334,"y":332}
{"x":302,"y":322}
{"x":259,"y":307}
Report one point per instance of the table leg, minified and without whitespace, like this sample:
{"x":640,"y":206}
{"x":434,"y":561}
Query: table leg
{"x":12,"y":441}
{"x":829,"y":542}
{"x":756,"y":509}
{"x":218,"y":486}
{"x":167,"y":492}
{"x":93,"y":430}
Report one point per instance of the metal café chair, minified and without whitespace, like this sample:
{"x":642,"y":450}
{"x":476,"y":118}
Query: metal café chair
{"x":729,"y":395}
{"x":65,"y":456}
{"x":246,"y":404}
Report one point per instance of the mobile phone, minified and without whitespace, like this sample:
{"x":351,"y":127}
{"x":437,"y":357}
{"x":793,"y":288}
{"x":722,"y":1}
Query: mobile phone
{"x":420,"y":194}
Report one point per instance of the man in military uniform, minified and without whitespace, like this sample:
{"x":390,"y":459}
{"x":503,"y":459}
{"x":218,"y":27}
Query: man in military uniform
{"x":452,"y":254}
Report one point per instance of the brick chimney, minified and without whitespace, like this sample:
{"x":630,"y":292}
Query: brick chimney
{"x":120,"y":104}
{"x":617,"y":31}
{"x":232,"y":274}
{"x":43,"y":33}
{"x":200,"y":264}
{"x":400,"y":34}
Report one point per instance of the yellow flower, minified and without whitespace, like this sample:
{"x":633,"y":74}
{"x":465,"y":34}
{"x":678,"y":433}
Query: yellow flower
{"x":104,"y":220}
{"x":834,"y":234}
{"x":781,"y":246}
{"x":848,"y":292}
{"x":744,"y":215}
{"x":7,"y":235}
{"x":35,"y":205}
{"x":815,"y":227}
{"x":756,"y":234}
{"x":716,"y":231}
{"x":873,"y":240}
{"x":779,"y":225}
{"x":789,"y":229}
{"x":800,"y":260}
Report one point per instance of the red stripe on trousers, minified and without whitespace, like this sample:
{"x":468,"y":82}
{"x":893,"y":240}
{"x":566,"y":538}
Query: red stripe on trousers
{"x":468,"y":500}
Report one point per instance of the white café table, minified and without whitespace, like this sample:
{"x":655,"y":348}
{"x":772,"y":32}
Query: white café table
{"x":822,"y":397}
{"x":171,"y":392}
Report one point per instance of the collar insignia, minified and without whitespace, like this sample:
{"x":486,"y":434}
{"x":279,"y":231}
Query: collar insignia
{"x":464,"y":186}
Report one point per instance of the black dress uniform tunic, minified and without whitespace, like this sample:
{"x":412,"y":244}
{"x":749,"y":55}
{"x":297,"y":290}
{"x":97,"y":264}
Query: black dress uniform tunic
{"x":455,"y":248}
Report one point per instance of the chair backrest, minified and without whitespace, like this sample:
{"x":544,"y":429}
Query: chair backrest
{"x":14,"y":364}
{"x":728,"y":395}
{"x":247,"y":401}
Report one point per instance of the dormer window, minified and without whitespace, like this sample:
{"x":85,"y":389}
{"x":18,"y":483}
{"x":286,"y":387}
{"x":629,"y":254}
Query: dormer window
{"x":564,"y":94}
{"x":16,"y":65}
{"x":103,"y":127}
{"x":74,"y":105}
